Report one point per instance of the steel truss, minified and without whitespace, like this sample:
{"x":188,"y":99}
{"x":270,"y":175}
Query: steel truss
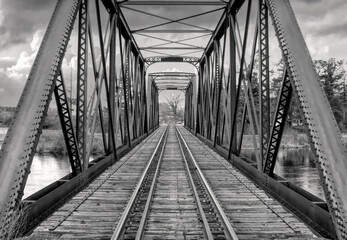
{"x":171,"y":80}
{"x":231,"y":99}
{"x":114,"y":104}
{"x":226,"y":102}
{"x":192,"y":60}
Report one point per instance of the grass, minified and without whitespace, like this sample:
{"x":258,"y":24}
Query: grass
{"x":290,"y":139}
{"x":16,"y":225}
{"x":52,"y":142}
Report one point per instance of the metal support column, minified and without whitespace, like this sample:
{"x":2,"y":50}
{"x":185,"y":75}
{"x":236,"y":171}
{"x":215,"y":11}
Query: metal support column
{"x":82,"y":72}
{"x":278,"y":125}
{"x":264,"y":92}
{"x":66,"y":125}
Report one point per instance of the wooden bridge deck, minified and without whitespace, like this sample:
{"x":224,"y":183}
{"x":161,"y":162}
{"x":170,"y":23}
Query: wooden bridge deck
{"x":94,"y":212}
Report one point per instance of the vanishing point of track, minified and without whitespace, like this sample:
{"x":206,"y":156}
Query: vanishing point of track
{"x":172,"y":199}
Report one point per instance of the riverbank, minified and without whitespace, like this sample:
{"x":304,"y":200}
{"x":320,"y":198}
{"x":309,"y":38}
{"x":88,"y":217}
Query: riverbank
{"x":289,"y":140}
{"x":52,"y":142}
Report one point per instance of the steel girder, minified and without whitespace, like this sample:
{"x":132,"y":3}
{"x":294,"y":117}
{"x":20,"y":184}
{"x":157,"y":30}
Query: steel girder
{"x":82,"y":71}
{"x":152,"y":105}
{"x":66,"y":125}
{"x":264,"y":86}
{"x":241,"y":109}
{"x":121,"y":84}
{"x":22,"y":137}
{"x":192,"y":60}
{"x":325,"y":137}
{"x":278,"y":125}
{"x":172,"y":80}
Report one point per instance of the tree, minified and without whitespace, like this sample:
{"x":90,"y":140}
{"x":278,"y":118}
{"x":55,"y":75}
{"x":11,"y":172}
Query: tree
{"x":174,"y":101}
{"x":331,"y":74}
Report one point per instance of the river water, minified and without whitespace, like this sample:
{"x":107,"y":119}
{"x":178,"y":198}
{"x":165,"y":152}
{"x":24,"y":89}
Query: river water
{"x":44,"y":170}
{"x":296,"y":165}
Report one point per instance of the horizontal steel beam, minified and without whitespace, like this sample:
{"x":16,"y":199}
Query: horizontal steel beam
{"x":192,"y":3}
{"x":232,"y":8}
{"x":172,"y":59}
{"x":42,"y":203}
{"x":173,"y":31}
{"x":171,"y":48}
{"x":172,"y":74}
{"x":125,"y":31}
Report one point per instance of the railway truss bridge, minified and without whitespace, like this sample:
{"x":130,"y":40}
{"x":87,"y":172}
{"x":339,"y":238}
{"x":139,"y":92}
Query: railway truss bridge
{"x":174,"y":182}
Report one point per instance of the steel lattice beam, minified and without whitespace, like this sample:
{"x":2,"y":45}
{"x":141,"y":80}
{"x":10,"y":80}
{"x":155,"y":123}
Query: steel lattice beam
{"x":24,"y":132}
{"x":278,"y":125}
{"x":264,"y":86}
{"x":323,"y":131}
{"x":82,"y":72}
{"x":66,"y":124}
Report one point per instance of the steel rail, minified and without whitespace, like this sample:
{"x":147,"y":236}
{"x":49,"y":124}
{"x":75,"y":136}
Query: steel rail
{"x":121,"y":224}
{"x":143,"y":220}
{"x":229,"y":230}
{"x":208,"y":232}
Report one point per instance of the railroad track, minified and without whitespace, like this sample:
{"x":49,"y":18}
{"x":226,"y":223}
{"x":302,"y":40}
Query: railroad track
{"x":162,"y":190}
{"x":173,"y":200}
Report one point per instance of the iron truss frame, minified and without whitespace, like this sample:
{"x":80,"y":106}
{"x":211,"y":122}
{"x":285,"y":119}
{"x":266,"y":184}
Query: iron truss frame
{"x":116,"y":103}
{"x":191,"y":60}
{"x":223,"y":90}
{"x":227,"y":103}
{"x":171,"y":80}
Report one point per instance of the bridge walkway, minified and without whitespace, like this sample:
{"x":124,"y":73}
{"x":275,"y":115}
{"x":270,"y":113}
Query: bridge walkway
{"x":94,"y":212}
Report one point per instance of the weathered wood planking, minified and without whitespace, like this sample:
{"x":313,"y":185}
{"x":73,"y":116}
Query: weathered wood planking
{"x":93,"y":213}
{"x":174,"y":213}
{"x":253,"y":214}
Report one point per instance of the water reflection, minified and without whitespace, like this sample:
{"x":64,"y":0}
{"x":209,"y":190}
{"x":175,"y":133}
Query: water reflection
{"x":45,"y":170}
{"x":297,"y":165}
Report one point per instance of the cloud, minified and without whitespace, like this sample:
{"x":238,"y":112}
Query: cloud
{"x":6,"y":62}
{"x":14,"y":72}
{"x":10,"y":90}
{"x":322,"y":18}
{"x":20,"y":18}
{"x":20,"y":70}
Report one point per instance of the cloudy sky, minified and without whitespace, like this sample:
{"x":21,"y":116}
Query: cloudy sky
{"x":23,"y":22}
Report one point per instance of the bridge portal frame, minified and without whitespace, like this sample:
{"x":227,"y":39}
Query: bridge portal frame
{"x":218,"y":100}
{"x":126,"y":119}
{"x":219,"y":104}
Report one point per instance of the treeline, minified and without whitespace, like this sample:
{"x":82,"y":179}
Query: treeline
{"x":332,"y":77}
{"x":331,"y":73}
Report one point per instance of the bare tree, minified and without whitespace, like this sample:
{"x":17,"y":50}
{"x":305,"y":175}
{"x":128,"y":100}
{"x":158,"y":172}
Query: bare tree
{"x":173,"y":101}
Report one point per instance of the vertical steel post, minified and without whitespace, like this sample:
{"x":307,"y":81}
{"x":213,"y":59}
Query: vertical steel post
{"x":232,"y":90}
{"x":22,"y":137}
{"x":82,"y":71}
{"x":217,"y":82}
{"x":278,"y":124}
{"x":264,"y":92}
{"x":125,"y":72}
{"x":103,"y":61}
{"x":66,"y":125}
{"x":112,"y":89}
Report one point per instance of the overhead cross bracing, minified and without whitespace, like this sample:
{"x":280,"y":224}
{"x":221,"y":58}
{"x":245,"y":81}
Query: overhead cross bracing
{"x":172,"y":80}
{"x":172,"y":28}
